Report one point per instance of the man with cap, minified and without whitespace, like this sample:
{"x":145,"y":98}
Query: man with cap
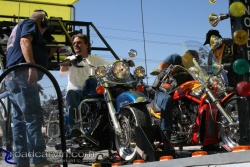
{"x":209,"y":34}
{"x":224,"y":53}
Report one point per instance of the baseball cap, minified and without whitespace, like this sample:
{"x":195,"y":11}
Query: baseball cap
{"x":209,"y":34}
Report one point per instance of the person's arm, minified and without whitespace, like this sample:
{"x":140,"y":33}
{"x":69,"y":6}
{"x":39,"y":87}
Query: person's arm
{"x":64,"y":68}
{"x":26,"y":47}
{"x":163,"y":65}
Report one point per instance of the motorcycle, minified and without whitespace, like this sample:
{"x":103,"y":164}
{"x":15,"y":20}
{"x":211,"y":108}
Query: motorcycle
{"x":107,"y":117}
{"x":205,"y":111}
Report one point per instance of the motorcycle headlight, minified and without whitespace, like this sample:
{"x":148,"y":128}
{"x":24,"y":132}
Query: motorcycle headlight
{"x":120,"y":70}
{"x":100,"y":71}
{"x":139,"y":72}
{"x":216,"y":81}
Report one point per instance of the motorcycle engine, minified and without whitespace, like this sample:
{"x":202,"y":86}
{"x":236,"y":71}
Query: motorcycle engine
{"x":184,"y":116}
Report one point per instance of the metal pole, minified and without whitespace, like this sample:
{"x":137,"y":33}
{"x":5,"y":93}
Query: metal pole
{"x":243,"y":23}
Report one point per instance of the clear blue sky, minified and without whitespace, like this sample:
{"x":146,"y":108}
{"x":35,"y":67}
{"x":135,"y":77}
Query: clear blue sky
{"x":167,"y":24}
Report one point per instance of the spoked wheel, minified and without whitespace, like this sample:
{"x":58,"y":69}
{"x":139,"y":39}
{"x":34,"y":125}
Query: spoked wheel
{"x":129,"y":118}
{"x":230,"y":134}
{"x":3,"y":129}
{"x":5,"y":123}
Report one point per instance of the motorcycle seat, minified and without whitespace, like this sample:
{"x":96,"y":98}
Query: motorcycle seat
{"x":92,"y":95}
{"x":155,"y":107}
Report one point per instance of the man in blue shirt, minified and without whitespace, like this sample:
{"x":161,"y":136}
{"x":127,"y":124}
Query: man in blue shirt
{"x":26,"y":45}
{"x":164,"y":100}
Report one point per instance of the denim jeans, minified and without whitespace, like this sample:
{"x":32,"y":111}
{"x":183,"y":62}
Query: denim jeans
{"x":73,"y":99}
{"x":27,"y":118}
{"x":165,"y":102}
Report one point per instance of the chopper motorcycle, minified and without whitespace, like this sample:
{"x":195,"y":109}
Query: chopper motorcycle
{"x":107,"y":117}
{"x":204,"y":111}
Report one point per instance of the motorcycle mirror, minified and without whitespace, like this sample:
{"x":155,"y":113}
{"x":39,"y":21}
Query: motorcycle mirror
{"x":132,"y":53}
{"x":65,"y":50}
{"x":155,"y":72}
{"x":212,"y":1}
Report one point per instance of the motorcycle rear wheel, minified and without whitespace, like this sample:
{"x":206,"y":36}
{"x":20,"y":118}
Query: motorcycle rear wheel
{"x":129,"y":118}
{"x":230,"y":134}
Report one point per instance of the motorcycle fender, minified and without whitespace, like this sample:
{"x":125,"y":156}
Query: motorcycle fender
{"x":130,"y":97}
{"x":206,"y":125}
{"x":227,"y":97}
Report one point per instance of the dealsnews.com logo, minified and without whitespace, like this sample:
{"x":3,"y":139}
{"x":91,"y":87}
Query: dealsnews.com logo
{"x":8,"y":157}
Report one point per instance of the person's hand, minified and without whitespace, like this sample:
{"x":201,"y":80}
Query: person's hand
{"x":33,"y":76}
{"x":66,"y":62}
{"x":40,"y":88}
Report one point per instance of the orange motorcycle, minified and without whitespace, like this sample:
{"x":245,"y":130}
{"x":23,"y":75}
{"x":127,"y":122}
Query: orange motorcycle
{"x":204,"y":112}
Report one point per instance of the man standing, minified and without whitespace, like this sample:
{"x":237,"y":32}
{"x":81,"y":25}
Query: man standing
{"x":26,"y":45}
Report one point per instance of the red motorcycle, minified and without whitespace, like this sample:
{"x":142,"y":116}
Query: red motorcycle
{"x":204,"y":112}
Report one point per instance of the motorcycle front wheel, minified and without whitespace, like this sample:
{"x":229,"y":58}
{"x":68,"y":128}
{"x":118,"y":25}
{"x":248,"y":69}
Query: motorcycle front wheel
{"x":129,"y":118}
{"x":230,"y":134}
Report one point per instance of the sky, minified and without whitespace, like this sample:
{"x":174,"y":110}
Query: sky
{"x":155,"y":28}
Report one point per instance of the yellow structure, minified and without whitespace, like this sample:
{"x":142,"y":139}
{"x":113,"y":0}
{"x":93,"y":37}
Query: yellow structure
{"x":14,"y":11}
{"x":23,"y":8}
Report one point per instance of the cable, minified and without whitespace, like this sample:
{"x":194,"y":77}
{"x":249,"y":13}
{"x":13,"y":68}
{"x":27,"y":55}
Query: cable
{"x":144,"y":43}
{"x":152,"y":33}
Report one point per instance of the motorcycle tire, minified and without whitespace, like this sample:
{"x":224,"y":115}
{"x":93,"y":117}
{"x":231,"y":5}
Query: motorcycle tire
{"x":129,"y":118}
{"x":230,"y":134}
{"x":5,"y":123}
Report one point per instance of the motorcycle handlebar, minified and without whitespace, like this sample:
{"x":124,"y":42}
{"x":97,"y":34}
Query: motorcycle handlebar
{"x":227,"y":65}
{"x":70,"y":63}
{"x":74,"y":62}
